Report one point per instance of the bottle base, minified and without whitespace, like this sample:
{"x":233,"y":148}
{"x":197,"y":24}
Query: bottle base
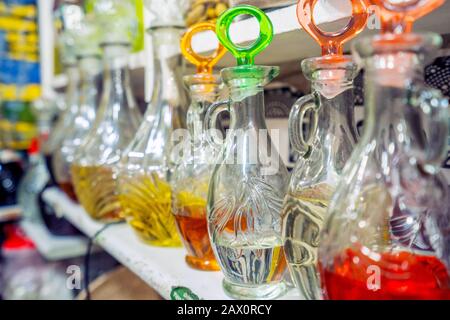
{"x":260,"y":292}
{"x":202,"y":264}
{"x":169,"y":243}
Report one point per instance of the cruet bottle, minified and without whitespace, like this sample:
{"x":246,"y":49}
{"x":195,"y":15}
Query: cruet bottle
{"x":147,"y":165}
{"x":327,"y":148}
{"x":94,"y":164}
{"x":193,"y":172}
{"x":387,"y":232}
{"x":249,"y":180}
{"x":88,"y":55}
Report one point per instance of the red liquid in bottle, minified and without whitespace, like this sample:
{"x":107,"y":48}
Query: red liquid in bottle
{"x":401,"y":276}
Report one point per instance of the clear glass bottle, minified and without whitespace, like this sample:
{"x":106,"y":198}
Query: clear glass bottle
{"x":66,"y":119}
{"x":93,"y":168}
{"x":90,"y":68}
{"x":147,"y":165}
{"x":319,"y":168}
{"x":249,"y":180}
{"x":192,"y":174}
{"x":385,"y":237}
{"x":324,"y":153}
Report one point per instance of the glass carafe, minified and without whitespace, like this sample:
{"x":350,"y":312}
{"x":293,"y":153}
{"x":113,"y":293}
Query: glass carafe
{"x":249,"y":180}
{"x":93,"y":168}
{"x":65,"y":120}
{"x":387,"y":232}
{"x":147,"y":165}
{"x":325,"y":151}
{"x":192,"y":174}
{"x":317,"y":172}
{"x":63,"y":157}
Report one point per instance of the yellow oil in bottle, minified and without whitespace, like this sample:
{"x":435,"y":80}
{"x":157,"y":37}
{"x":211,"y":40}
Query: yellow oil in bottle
{"x":95,"y":188}
{"x":147,"y":205}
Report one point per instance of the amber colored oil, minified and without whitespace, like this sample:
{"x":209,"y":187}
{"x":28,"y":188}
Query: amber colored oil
{"x":190,"y":215}
{"x":95,"y":187}
{"x":69,"y":190}
{"x":147,"y":205}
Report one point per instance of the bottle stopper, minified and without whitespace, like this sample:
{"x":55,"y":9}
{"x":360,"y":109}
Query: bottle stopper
{"x":245,"y":55}
{"x":399,"y":18}
{"x":204,"y":64}
{"x":332,"y":42}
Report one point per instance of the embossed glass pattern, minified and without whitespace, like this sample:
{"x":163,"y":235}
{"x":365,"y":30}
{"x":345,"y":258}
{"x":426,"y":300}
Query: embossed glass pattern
{"x":387,"y":232}
{"x":94,"y":167}
{"x":246,"y":191}
{"x":147,"y":165}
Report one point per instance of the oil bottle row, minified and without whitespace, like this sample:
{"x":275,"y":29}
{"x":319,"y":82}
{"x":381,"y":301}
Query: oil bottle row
{"x":360,"y":217}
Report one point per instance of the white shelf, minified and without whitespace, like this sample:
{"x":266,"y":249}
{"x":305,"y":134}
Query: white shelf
{"x":53,"y":247}
{"x":163,"y":269}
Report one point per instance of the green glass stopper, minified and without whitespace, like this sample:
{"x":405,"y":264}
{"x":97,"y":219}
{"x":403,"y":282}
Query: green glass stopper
{"x":245,"y":55}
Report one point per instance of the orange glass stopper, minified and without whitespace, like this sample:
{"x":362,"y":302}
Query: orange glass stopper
{"x":399,"y":17}
{"x":332,"y":42}
{"x":205,"y":64}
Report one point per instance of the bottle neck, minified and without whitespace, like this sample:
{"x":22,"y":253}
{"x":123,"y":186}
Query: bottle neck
{"x":117,"y":97}
{"x":73,"y":76}
{"x":336,"y":113}
{"x":166,"y":67}
{"x":90,"y":68}
{"x":387,"y":78}
{"x":116,"y":76}
{"x":202,"y":96}
{"x":247,"y":108}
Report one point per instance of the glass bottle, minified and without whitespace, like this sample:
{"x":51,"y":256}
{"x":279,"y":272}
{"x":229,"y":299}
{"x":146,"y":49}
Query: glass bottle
{"x":249,"y":180}
{"x":88,"y":59}
{"x":94,"y":164}
{"x":387,"y":232}
{"x":90,"y":67}
{"x":323,"y":154}
{"x":147,"y":165}
{"x":65,"y":120}
{"x":193,"y":172}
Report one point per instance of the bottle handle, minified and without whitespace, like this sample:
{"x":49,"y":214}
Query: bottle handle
{"x":433,"y":107}
{"x":297,"y":119}
{"x":210,"y":122}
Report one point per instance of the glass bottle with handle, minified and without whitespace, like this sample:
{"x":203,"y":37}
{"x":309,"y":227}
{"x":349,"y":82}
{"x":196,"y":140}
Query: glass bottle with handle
{"x":325,"y":150}
{"x":147,"y":166}
{"x":249,"y":181}
{"x":387,"y":232}
{"x":192,"y":174}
